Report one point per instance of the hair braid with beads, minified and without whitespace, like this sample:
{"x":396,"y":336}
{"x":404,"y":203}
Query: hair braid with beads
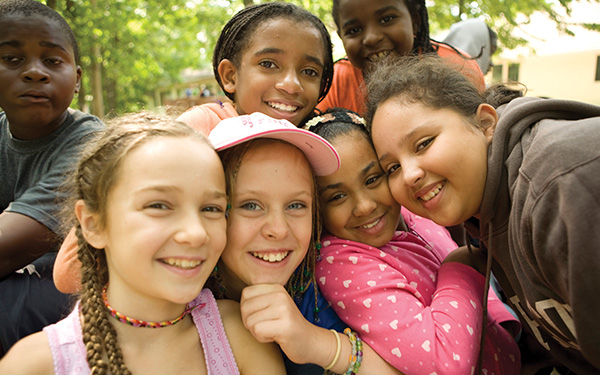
{"x":96,"y":174}
{"x":239,"y":31}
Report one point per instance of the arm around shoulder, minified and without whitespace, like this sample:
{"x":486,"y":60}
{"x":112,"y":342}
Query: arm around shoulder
{"x":252,"y":357}
{"x":29,"y":356}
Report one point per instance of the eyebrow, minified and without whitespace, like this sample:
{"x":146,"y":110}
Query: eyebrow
{"x":168,"y":188}
{"x":52,"y":45}
{"x":11,"y":43}
{"x":378,"y":12}
{"x":46,"y":44}
{"x":269,"y":50}
{"x":161,"y":188}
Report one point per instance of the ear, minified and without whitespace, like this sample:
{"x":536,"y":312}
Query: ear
{"x":228,"y":73}
{"x":78,"y":83}
{"x":90,"y":225}
{"x":487,"y":117}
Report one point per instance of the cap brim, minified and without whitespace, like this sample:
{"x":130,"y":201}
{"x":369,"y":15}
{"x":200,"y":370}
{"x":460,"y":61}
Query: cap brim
{"x":320,"y":154}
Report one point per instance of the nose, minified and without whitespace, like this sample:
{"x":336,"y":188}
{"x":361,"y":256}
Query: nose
{"x":191,"y":231}
{"x":364,"y":206}
{"x":372,"y":36}
{"x":412,"y":172}
{"x":34,"y":71}
{"x":276,"y":226}
{"x":289,"y":83}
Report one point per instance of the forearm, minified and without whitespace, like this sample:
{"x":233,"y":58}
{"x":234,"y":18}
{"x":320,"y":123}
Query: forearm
{"x":22,"y":240}
{"x":371,"y":363}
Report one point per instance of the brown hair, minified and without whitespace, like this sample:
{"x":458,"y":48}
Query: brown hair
{"x":431,"y":81}
{"x":96,"y":174}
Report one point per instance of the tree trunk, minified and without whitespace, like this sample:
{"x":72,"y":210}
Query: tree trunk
{"x":98,"y":100}
{"x":96,"y":81}
{"x":461,"y":9}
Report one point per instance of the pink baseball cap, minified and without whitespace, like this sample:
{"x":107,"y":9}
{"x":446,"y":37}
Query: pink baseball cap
{"x":236,"y":130}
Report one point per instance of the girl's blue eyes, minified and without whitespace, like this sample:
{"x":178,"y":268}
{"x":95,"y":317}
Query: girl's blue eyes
{"x":253,"y":206}
{"x":249,"y":206}
{"x":297,"y":206}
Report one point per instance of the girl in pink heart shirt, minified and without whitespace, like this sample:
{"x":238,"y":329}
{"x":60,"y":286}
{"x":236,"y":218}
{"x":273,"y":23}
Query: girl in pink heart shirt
{"x":395,"y":277}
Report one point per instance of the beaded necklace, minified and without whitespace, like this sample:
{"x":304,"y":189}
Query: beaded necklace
{"x":141,"y":323}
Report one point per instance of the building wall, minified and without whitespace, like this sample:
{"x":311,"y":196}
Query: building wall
{"x":562,"y":76}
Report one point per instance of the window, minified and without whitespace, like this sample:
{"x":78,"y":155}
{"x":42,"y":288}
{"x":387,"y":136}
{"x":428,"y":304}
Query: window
{"x":497,"y":73}
{"x":513,"y":72}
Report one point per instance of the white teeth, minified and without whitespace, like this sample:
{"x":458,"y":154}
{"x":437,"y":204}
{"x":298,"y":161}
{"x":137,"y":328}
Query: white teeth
{"x":367,"y":226}
{"x":182,"y":263}
{"x":283,"y":107}
{"x":271,"y":257}
{"x":432,"y":193}
{"x":378,"y":56}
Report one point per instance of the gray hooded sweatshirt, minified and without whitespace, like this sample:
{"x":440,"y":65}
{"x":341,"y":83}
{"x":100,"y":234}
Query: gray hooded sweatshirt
{"x":541,"y":206}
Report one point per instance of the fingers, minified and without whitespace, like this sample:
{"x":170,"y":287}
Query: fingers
{"x":270,"y":314}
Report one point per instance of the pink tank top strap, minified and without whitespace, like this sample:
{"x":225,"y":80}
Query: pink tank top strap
{"x":217,"y":351}
{"x":66,"y":344}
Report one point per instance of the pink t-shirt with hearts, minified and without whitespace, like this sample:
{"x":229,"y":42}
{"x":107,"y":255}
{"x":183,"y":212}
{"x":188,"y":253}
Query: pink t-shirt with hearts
{"x":422,"y":317}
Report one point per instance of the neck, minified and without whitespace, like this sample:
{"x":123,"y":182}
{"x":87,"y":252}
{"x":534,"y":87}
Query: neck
{"x":231,"y":283}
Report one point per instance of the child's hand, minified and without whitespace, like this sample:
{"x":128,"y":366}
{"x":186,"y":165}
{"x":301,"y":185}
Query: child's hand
{"x":475,"y":260}
{"x":270,"y":314}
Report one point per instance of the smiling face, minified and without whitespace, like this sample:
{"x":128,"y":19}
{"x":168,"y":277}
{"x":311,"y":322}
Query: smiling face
{"x":270,"y":220}
{"x":436,"y":159}
{"x":165,"y":227}
{"x":372,"y":29}
{"x":355,"y":201}
{"x":38,"y":72}
{"x":280,"y":71}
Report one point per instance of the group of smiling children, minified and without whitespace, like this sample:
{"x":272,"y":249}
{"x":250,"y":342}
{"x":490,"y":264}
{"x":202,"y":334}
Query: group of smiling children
{"x":266,"y":237}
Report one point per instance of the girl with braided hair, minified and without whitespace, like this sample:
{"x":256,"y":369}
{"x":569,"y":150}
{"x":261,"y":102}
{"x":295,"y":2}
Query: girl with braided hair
{"x":371,"y":30}
{"x":391,"y":275}
{"x":149,"y":234}
{"x":274,"y":58}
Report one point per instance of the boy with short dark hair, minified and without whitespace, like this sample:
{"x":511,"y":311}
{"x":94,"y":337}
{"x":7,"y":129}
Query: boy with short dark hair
{"x":39,"y":142}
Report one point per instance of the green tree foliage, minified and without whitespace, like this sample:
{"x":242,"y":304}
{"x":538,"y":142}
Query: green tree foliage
{"x":130,"y":47}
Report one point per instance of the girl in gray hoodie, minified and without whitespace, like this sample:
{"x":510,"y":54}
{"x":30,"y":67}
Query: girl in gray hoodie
{"x":523,"y":174}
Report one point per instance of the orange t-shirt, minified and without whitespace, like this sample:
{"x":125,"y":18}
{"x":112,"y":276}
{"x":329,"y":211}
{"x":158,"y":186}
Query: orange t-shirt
{"x":347,"y":89}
